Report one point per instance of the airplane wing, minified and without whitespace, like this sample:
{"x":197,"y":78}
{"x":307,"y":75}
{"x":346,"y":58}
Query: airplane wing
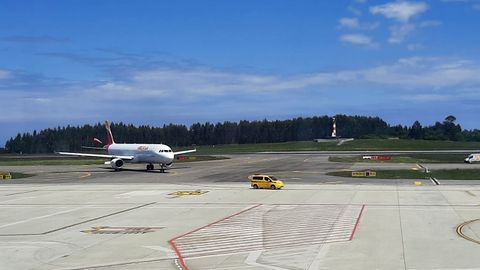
{"x":96,"y":155}
{"x":185,"y":152}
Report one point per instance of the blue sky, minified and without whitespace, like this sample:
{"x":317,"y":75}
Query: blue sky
{"x":155,"y":62}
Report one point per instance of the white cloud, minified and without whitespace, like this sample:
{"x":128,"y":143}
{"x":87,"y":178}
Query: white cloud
{"x":425,"y":73}
{"x":354,"y":23}
{"x":400,"y":11}
{"x":187,"y":90}
{"x":5,"y":74}
{"x":358,"y":39}
{"x":399,"y":32}
{"x":349,"y":22}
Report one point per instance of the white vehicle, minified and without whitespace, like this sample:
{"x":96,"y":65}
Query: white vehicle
{"x":135,"y":153}
{"x":472,"y":158}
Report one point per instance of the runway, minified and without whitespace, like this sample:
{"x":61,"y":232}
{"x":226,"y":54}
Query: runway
{"x":88,"y":217}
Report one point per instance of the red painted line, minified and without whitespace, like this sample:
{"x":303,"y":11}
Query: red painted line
{"x":179,"y":255}
{"x":356,"y":223}
{"x":177,"y":251}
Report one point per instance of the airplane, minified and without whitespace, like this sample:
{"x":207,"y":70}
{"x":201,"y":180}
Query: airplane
{"x":119,"y":153}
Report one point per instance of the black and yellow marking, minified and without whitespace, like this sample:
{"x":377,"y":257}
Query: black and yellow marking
{"x":364,"y":174}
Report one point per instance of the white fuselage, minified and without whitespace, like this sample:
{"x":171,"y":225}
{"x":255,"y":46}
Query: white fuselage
{"x":143,"y":153}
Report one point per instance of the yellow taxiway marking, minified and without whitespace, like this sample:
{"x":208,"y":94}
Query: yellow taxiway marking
{"x":173,"y":173}
{"x":182,"y":193}
{"x":86,"y":175}
{"x":462,"y":234}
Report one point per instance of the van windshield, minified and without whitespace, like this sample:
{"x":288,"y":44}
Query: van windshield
{"x":273,"y":177}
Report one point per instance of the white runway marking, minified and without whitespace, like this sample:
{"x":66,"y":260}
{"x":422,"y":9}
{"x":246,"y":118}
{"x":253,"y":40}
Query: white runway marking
{"x":18,"y":199}
{"x":40,"y":217}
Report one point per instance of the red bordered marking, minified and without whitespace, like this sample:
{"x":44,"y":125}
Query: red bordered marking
{"x":356,"y":223}
{"x":177,"y":251}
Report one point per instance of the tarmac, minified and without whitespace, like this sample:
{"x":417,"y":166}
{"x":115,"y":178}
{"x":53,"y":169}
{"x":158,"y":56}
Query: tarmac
{"x":204,"y":215}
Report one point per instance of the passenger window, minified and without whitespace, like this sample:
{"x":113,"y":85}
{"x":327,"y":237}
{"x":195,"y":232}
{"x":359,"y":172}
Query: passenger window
{"x":257,"y":178}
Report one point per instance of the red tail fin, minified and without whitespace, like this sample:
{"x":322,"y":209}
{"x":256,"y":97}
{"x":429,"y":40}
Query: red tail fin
{"x":109,"y":134}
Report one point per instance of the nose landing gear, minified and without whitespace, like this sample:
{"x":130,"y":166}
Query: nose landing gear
{"x":162,"y":168}
{"x":150,"y":167}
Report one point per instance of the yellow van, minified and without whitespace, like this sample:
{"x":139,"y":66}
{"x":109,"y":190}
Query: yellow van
{"x":265,"y":181}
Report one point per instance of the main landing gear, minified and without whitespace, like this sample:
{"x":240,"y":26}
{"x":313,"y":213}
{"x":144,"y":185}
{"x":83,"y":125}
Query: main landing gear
{"x":150,"y":167}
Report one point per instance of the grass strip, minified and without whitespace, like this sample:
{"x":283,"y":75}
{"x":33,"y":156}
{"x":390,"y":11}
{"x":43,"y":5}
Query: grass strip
{"x":411,"y":158}
{"x":453,"y":174}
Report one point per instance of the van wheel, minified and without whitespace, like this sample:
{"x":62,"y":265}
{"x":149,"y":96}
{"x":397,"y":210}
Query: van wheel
{"x":272,"y":187}
{"x":255,"y":186}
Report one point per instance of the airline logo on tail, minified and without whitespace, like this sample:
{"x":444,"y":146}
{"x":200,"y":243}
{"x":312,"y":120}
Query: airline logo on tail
{"x":109,"y":135}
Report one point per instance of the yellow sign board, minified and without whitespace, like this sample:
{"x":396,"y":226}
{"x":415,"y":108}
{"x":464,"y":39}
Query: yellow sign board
{"x":5,"y":176}
{"x":364,"y":174}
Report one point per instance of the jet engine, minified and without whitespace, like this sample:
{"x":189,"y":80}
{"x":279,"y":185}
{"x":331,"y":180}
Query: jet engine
{"x":116,"y":163}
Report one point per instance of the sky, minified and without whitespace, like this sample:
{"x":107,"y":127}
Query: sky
{"x":156,"y":62}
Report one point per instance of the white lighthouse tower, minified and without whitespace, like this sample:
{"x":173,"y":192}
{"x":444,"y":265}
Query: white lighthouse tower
{"x":334,"y":131}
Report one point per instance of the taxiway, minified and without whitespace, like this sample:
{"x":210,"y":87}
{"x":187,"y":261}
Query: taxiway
{"x":88,"y":217}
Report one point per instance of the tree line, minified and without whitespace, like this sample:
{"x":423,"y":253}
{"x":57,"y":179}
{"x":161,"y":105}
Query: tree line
{"x":298,"y":129}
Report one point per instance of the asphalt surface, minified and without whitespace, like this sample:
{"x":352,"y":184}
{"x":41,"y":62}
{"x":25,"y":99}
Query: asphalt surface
{"x":204,"y":215}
